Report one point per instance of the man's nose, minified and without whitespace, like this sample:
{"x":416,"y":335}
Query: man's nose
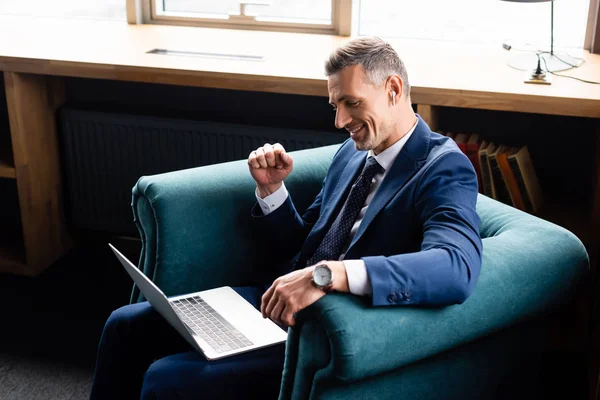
{"x":342,"y":118}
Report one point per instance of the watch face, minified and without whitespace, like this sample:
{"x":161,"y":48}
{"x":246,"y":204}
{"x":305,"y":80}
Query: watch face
{"x":322,"y":276}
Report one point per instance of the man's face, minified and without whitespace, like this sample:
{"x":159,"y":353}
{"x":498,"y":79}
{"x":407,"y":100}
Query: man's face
{"x":363,"y":109}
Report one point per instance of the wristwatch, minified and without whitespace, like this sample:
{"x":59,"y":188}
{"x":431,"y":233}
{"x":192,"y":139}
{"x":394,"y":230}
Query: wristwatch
{"x":322,"y":277}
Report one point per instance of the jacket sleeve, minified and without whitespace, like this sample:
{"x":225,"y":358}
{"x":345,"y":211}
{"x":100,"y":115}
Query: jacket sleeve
{"x":282,"y":233}
{"x":284,"y":230}
{"x":447,"y":266}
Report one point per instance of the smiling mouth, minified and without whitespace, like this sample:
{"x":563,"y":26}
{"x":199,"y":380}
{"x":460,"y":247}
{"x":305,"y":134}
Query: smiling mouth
{"x":355,"y":130}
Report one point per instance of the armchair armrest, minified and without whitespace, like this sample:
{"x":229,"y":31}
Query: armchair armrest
{"x":195,"y":224}
{"x":529,"y":265}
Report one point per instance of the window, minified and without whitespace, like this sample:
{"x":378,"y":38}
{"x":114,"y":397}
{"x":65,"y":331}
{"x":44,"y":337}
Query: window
{"x":294,"y":15}
{"x":477,"y":21}
{"x":293,"y":11}
{"x":523,"y":25}
{"x":89,"y":9}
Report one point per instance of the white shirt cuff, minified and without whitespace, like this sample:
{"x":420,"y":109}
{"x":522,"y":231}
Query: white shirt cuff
{"x":358,"y":279}
{"x":273,"y":201}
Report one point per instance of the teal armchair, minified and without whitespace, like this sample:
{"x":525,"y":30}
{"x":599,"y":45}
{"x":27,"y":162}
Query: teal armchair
{"x":196,"y":234}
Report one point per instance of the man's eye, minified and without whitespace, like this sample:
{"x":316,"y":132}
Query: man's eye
{"x":352,"y":103}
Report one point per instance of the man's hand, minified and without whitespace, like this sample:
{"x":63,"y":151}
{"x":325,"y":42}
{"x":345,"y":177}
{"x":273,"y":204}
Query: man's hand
{"x":295,"y":291}
{"x":288,"y":295}
{"x":269,"y":166}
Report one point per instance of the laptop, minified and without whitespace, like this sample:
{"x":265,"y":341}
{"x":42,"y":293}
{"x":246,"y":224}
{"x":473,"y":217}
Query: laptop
{"x":218,"y":322}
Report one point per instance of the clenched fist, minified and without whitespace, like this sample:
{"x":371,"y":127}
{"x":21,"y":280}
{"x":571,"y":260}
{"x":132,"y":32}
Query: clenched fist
{"x":269,"y":165}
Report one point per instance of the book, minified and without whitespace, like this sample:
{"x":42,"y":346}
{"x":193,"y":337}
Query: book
{"x":509,"y":179}
{"x":500,"y":188}
{"x":486,"y":177}
{"x":473,"y":145}
{"x":461,"y":141}
{"x":521,"y":165}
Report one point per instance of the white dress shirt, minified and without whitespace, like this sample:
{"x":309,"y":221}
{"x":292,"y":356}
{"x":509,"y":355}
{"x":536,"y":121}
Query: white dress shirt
{"x":356,"y":270}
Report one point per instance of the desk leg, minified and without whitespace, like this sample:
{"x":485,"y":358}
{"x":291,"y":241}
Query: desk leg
{"x":429,"y":115}
{"x":32,"y":102}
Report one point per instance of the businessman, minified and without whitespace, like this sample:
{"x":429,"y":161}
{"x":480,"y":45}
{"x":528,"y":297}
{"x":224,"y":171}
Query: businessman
{"x":395,"y":221}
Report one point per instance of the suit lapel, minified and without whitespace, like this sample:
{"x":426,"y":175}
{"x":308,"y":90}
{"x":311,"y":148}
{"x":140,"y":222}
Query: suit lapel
{"x":409,"y":160}
{"x":351,"y":169}
{"x":347,"y":178}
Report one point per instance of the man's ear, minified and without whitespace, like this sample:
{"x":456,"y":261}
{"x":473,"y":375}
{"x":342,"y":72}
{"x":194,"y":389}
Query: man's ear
{"x":395,"y":84}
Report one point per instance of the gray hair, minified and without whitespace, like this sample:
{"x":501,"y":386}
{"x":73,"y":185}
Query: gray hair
{"x":378,"y":59}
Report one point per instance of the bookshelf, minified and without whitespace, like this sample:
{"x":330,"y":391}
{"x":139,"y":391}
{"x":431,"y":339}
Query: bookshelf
{"x":576,"y":204}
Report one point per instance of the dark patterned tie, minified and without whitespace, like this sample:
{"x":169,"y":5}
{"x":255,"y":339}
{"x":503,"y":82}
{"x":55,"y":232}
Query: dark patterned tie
{"x":333,"y":243}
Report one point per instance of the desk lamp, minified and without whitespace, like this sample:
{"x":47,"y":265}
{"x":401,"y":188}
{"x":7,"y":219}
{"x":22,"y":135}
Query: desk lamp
{"x":548,"y":61}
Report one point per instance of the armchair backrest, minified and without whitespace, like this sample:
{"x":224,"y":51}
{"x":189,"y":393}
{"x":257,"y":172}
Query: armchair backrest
{"x":194,"y":223}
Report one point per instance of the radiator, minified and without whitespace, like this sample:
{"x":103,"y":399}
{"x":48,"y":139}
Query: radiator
{"x":104,"y":154}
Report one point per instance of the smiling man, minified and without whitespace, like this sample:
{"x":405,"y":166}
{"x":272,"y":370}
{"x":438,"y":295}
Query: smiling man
{"x":396,"y":217}
{"x":395,"y":222}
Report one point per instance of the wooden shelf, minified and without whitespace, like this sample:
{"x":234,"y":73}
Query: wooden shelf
{"x":7,"y":170}
{"x":7,"y":165}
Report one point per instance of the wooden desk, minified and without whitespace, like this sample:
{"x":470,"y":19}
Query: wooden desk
{"x":42,"y":50}
{"x":444,"y":74}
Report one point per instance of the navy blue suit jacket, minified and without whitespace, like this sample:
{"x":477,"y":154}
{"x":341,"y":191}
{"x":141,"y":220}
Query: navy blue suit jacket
{"x":419,"y":238}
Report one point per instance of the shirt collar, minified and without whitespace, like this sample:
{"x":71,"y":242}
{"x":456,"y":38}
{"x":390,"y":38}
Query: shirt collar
{"x":387,"y":157}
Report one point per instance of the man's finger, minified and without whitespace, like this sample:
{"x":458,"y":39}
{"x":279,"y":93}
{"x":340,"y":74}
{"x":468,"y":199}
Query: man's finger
{"x":265,"y":301}
{"x":252,"y":160}
{"x":277,"y":310}
{"x":260,"y":157}
{"x":278,"y":148}
{"x":269,"y":155}
{"x":288,"y":317}
{"x":282,"y":158}
{"x":275,"y":298}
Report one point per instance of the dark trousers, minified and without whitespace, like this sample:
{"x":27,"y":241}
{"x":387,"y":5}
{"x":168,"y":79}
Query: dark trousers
{"x":141,"y":356}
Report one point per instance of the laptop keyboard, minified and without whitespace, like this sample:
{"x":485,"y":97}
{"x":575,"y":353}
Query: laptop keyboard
{"x":209,"y":325}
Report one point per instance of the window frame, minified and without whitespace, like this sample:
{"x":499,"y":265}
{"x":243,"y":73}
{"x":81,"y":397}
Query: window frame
{"x":345,"y":14}
{"x":592,"y":34}
{"x":147,"y":12}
